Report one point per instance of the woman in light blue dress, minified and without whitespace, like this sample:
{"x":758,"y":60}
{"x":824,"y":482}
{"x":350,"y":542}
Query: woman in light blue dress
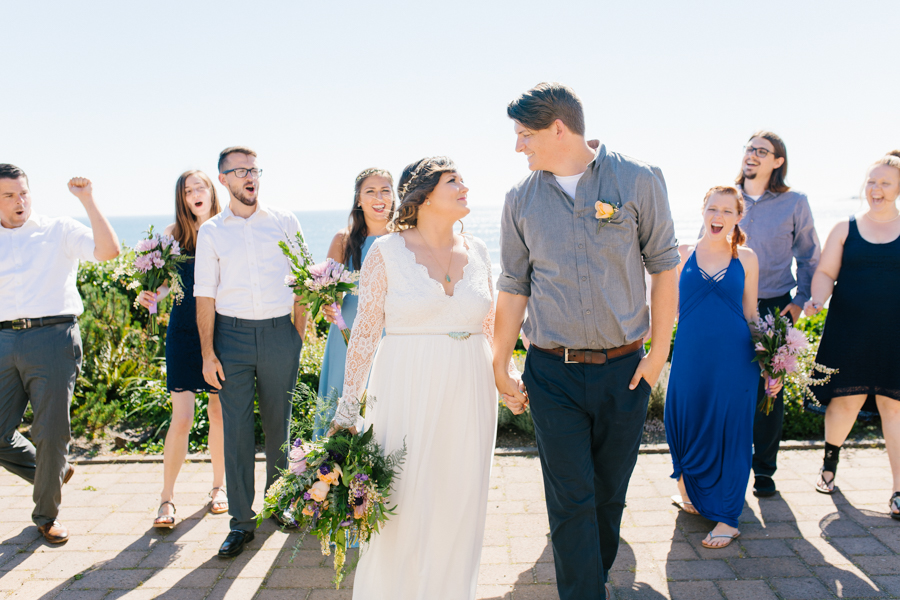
{"x":373,"y":205}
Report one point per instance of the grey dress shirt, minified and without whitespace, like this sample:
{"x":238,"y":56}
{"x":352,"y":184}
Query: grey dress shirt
{"x":586,"y":287}
{"x":780,"y":229}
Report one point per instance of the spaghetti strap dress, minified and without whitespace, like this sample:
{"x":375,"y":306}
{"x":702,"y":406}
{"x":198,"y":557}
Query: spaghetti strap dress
{"x":184,"y":361}
{"x":711,"y":398}
{"x":863,"y":317}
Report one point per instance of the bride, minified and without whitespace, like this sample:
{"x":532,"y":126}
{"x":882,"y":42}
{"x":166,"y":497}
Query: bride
{"x":431,"y":386}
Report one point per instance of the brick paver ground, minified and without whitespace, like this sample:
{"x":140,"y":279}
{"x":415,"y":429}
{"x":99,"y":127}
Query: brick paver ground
{"x":797,"y":545}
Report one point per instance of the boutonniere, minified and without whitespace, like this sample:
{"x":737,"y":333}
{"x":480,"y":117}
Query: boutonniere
{"x":606,"y":210}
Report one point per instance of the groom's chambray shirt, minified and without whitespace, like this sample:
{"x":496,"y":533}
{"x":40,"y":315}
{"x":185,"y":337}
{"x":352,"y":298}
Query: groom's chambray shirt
{"x":586,"y":287}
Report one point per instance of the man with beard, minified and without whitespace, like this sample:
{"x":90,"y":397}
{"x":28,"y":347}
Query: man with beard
{"x":780,"y":229}
{"x":247,"y":339}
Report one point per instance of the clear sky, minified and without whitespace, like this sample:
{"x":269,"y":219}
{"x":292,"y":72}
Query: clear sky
{"x":131,"y":94}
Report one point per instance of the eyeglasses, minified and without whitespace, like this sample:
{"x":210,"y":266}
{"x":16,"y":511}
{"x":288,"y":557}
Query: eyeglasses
{"x":759,"y":152}
{"x":241,"y":173}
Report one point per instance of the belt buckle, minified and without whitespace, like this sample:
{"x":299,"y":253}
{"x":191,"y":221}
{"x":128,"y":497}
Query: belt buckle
{"x":566,"y":357}
{"x":19,"y":324}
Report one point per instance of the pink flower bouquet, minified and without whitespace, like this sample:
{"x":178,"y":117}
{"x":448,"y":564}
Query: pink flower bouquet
{"x":780,"y":350}
{"x":316,"y":285}
{"x":155,"y":261}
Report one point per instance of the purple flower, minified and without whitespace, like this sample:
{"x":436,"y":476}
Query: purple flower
{"x":306,"y":496}
{"x":796,"y":341}
{"x":324,"y":469}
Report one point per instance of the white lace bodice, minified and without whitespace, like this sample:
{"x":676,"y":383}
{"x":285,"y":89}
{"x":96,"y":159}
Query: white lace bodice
{"x":397,"y":294}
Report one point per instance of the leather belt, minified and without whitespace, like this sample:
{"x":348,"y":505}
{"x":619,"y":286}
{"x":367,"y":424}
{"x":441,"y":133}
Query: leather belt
{"x":591,"y":357}
{"x":19,"y":324}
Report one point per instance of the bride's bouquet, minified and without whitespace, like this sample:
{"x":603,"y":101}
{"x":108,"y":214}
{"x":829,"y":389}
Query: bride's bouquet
{"x":156,"y":260}
{"x":783,"y":352}
{"x":318,"y":284}
{"x":336,"y":488}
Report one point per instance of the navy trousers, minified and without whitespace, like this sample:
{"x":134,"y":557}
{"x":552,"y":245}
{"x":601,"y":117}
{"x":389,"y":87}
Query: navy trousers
{"x":588,"y":426}
{"x":767,"y":428}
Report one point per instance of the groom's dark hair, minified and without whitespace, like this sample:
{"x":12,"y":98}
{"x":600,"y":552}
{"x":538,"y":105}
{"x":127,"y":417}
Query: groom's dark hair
{"x":540,"y":106}
{"x":8,"y":171}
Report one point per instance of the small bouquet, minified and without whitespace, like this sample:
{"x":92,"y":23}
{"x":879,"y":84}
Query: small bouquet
{"x":336,"y":488}
{"x":784,"y":352}
{"x":318,"y":284}
{"x":155,"y":260}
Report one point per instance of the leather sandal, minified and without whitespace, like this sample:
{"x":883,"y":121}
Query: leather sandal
{"x":825,"y":487}
{"x":685,"y":505}
{"x":217,"y":507}
{"x":165,"y":521}
{"x":895,"y":503}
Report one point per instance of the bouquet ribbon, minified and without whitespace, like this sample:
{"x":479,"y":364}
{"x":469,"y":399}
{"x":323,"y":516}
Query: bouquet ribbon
{"x":152,"y":307}
{"x":339,"y":321}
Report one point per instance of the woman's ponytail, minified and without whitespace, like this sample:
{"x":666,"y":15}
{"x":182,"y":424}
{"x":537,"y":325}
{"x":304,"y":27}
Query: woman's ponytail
{"x":738,"y":238}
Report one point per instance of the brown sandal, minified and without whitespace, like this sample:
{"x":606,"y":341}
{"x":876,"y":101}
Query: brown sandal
{"x":165,"y":521}
{"x":217,"y":507}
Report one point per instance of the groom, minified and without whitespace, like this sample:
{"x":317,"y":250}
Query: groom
{"x":576,"y":237}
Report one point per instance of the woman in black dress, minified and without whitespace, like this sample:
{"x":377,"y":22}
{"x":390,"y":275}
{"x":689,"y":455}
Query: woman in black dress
{"x":195,"y":202}
{"x":860,"y":269}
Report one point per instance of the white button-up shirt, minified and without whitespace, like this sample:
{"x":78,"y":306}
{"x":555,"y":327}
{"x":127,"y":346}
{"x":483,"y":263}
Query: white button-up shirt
{"x":39,"y":265}
{"x":239,"y":263}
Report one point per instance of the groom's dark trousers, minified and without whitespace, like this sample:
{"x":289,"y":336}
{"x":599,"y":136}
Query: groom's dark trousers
{"x":588,"y":426}
{"x":261,"y":356}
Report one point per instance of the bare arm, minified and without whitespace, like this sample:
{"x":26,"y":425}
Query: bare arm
{"x":106,"y":243}
{"x":510,"y":314}
{"x":663,"y":308}
{"x":750,"y":262}
{"x":206,"y":324}
{"x":829,"y":266}
{"x":301,"y":315}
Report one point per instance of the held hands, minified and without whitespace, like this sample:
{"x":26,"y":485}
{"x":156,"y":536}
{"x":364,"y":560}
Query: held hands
{"x":513,"y":391}
{"x":811,"y":308}
{"x":335,"y":428}
{"x":213,"y":371}
{"x":793,"y":310}
{"x":81,"y":187}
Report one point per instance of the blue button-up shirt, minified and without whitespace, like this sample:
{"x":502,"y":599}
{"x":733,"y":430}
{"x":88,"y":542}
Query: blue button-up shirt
{"x":585,"y":285}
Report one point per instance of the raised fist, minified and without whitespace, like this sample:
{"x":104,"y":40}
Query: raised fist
{"x":81,"y":187}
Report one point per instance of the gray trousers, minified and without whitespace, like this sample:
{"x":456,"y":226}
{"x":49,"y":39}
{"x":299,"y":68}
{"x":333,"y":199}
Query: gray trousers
{"x":264,"y":357}
{"x":38,"y":365}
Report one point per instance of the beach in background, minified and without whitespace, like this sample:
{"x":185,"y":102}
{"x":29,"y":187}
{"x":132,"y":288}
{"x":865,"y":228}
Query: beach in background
{"x":484,"y":222}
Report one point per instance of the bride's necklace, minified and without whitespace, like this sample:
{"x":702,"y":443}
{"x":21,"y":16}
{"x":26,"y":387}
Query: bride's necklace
{"x":449,"y":262}
{"x":894,"y":218}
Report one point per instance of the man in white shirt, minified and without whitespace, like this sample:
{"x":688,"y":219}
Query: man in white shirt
{"x":40,"y":345}
{"x":246,"y":335}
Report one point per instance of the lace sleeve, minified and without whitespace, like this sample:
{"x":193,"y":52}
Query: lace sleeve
{"x":365,"y":337}
{"x":488,"y":325}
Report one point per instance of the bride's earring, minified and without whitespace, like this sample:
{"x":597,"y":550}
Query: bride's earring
{"x":428,"y":202}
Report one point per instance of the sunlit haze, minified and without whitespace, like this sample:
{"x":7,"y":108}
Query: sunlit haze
{"x":132,"y":94}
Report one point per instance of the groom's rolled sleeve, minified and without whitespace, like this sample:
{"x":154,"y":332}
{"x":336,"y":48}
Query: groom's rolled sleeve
{"x":656,"y":230}
{"x":206,"y":267}
{"x":515,"y":262}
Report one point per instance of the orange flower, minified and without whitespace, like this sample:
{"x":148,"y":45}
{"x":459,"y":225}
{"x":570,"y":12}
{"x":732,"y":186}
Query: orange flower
{"x":307,"y":511}
{"x":604,"y":210}
{"x":319,"y":490}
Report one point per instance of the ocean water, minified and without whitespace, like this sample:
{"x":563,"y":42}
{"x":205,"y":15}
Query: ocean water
{"x":319,"y":227}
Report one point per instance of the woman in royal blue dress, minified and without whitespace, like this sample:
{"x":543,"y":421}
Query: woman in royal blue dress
{"x":373,"y":205}
{"x":713,"y":383}
{"x":195,"y":203}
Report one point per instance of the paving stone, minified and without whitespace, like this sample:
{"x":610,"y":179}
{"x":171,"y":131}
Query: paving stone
{"x":818,"y":552}
{"x":698,"y":570}
{"x":314,"y":577}
{"x":746,"y":590}
{"x":342,"y":594}
{"x":80,"y":595}
{"x":865,"y":546}
{"x":890,"y":583}
{"x":282,"y":594}
{"x":183,"y":578}
{"x":492,"y":592}
{"x":801,"y":588}
{"x":535,"y":592}
{"x":766,"y":548}
{"x":118,"y":580}
{"x":234,"y":589}
{"x":505,"y":574}
{"x":693,"y":590}
{"x":755,"y":568}
{"x":879,"y":565}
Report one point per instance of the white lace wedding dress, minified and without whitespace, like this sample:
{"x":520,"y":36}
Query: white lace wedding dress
{"x":437,"y":393}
